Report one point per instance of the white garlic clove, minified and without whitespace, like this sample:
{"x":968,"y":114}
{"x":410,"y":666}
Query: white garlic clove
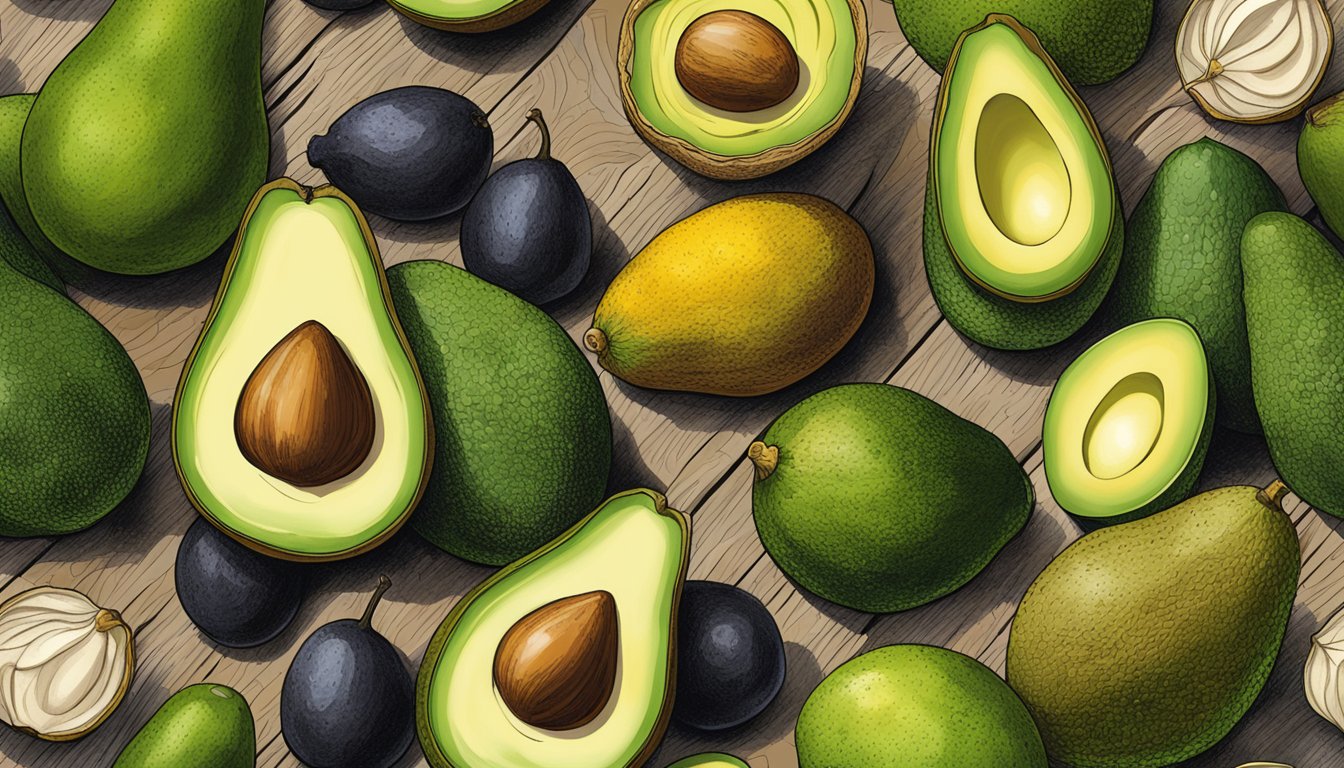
{"x":1322,"y":676}
{"x":1253,"y":61}
{"x":65,"y":663}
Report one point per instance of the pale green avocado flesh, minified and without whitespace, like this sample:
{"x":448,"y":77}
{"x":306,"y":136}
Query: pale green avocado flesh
{"x":1023,"y":183}
{"x":633,"y":547}
{"x":1128,"y":422}
{"x":710,"y":760}
{"x":821,"y":33}
{"x":451,"y":11}
{"x":302,"y":256}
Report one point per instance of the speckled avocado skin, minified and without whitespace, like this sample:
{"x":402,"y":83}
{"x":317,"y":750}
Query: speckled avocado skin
{"x":916,"y":705}
{"x":883,"y":500}
{"x":1183,"y":259}
{"x":1001,"y":323}
{"x":203,"y":726}
{"x":1294,"y":290}
{"x":74,"y":418}
{"x":1320,"y":153}
{"x":1142,"y":644}
{"x":523,"y":438}
{"x":13,"y":114}
{"x":1093,"y":41}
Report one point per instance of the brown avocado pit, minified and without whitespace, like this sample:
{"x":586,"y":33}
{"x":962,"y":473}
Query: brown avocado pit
{"x":556,"y":667}
{"x":306,"y":414}
{"x":736,"y":61}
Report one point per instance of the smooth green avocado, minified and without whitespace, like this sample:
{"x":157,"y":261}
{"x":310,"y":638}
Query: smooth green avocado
{"x":1143,"y":644}
{"x":710,"y":760}
{"x":1129,"y":422}
{"x":1183,"y":259}
{"x":1093,"y":40}
{"x":203,"y":725}
{"x":521,"y":425}
{"x":879,"y":499}
{"x":74,"y":418}
{"x":632,"y":553}
{"x":916,"y":705}
{"x":301,"y":426}
{"x":1294,"y":292}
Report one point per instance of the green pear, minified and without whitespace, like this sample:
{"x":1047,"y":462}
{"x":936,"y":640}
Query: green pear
{"x":203,"y":726}
{"x":146,"y":143}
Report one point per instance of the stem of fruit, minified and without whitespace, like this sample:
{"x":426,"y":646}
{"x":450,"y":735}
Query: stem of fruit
{"x":1272,"y":495}
{"x":595,"y":341}
{"x":107,"y":619}
{"x":765,"y":457}
{"x":534,"y":116}
{"x":1215,"y":69}
{"x":366,"y":621}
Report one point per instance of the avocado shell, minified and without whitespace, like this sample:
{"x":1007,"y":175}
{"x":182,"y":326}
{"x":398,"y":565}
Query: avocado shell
{"x":734,"y":167}
{"x":498,"y":19}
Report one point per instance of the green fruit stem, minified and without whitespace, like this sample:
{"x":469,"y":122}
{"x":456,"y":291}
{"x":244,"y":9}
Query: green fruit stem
{"x":1272,"y":495}
{"x":765,"y":457}
{"x":366,"y":621}
{"x":534,"y":116}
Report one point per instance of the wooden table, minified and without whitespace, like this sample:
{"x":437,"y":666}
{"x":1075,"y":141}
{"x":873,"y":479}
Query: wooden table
{"x":318,"y":63}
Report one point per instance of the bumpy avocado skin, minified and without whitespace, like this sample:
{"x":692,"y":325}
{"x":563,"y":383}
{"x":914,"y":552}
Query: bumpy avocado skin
{"x":34,"y":263}
{"x":1002,"y":323}
{"x":203,"y":725}
{"x":1183,"y":259}
{"x":1294,"y":294}
{"x":883,"y":500}
{"x":521,"y":425}
{"x":74,"y":418}
{"x":1093,"y":41}
{"x":1320,"y":151}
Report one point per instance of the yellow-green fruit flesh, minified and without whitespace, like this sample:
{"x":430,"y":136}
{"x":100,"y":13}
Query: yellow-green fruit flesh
{"x":916,"y":705}
{"x":1144,"y":643}
{"x":468,"y":15}
{"x":883,"y":500}
{"x":743,"y":298}
{"x":634,"y":548}
{"x":147,"y":141}
{"x":74,"y":418}
{"x":1320,"y":154}
{"x":710,"y":760}
{"x":522,"y":430}
{"x":203,"y":726}
{"x":1129,"y":423}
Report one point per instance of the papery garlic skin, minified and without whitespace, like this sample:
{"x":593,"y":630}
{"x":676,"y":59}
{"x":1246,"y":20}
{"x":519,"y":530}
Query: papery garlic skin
{"x":1322,"y":677}
{"x":65,"y":663}
{"x":1253,"y":61}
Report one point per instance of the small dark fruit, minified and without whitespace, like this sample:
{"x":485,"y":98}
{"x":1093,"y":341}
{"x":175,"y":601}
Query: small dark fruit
{"x":730,"y":657}
{"x":410,"y":154}
{"x":236,"y":596}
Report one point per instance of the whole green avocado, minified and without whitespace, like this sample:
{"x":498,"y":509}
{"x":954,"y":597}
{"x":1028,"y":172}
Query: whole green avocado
{"x":1294,"y":291}
{"x":74,"y":418}
{"x":1320,"y":152}
{"x":1183,"y":259}
{"x":13,"y":114}
{"x":523,"y":438}
{"x":1093,"y":41}
{"x":146,"y":143}
{"x":202,"y":726}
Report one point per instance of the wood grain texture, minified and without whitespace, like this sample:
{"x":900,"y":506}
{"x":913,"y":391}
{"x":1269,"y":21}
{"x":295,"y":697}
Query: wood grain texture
{"x":562,"y":60}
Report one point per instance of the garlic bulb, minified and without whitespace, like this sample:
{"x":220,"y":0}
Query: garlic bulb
{"x":1253,"y":61}
{"x":65,"y":663}
{"x":1325,"y":689}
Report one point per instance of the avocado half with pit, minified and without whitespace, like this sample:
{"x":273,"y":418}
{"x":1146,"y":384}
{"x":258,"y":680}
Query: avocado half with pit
{"x":467,"y":15}
{"x":737,"y":89}
{"x":1128,"y":424}
{"x":1023,"y":224}
{"x":565,"y":657}
{"x":301,"y":426}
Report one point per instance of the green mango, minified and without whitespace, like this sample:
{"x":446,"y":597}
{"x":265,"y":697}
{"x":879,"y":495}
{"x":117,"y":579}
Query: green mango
{"x":146,"y":143}
{"x":74,"y":418}
{"x":1183,"y":260}
{"x":1294,"y":291}
{"x":203,"y":726}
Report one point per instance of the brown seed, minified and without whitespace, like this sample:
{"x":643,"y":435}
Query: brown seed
{"x":556,"y":668}
{"x":736,"y":61}
{"x":305,"y":414}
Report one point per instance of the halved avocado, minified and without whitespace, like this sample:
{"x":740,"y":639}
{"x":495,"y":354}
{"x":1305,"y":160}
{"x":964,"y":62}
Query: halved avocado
{"x":829,"y":39}
{"x":467,"y":15}
{"x":632,"y":553}
{"x":301,"y":426}
{"x":710,"y":760}
{"x":1128,"y":423}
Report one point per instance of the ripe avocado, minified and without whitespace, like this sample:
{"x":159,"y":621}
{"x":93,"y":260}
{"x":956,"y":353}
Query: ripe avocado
{"x":301,"y":427}
{"x":1023,"y":227}
{"x":1129,"y":422}
{"x":710,"y":760}
{"x":1183,"y":259}
{"x":203,"y":725}
{"x":469,"y":16}
{"x":524,"y":437}
{"x":618,"y":572}
{"x":13,"y":114}
{"x":879,"y":499}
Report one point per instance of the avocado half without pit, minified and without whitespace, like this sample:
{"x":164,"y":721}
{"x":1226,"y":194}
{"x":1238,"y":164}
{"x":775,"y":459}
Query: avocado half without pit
{"x":1128,"y":424}
{"x":467,"y":15}
{"x":301,"y":426}
{"x":737,"y":89}
{"x":564,"y":657}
